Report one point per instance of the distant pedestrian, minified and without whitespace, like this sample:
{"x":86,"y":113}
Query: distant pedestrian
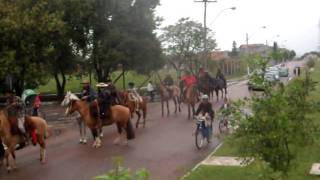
{"x":150,"y":90}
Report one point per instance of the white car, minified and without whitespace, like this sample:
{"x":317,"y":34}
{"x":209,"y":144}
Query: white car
{"x":275,"y":71}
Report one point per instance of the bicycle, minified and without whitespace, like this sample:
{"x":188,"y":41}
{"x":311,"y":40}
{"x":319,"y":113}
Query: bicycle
{"x":202,"y":132}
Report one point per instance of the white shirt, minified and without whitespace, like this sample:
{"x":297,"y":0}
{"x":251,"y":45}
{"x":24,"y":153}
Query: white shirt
{"x":150,"y":87}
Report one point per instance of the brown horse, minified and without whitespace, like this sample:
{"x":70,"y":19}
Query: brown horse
{"x":118,"y":114}
{"x":33,"y":124}
{"x":142,"y":107}
{"x":166,"y":95}
{"x":191,"y":98}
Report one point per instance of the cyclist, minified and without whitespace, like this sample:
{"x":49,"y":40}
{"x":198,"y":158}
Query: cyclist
{"x":205,"y":108}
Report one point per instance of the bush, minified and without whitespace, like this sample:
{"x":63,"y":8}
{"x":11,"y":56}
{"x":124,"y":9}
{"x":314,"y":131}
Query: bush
{"x":278,"y":126}
{"x":121,"y":173}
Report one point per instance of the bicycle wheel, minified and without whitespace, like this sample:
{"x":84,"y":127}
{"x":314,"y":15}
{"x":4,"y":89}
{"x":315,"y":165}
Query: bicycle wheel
{"x":199,"y":139}
{"x":223,"y":126}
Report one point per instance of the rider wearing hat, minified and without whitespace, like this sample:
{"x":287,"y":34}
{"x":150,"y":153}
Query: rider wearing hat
{"x":187,"y":80}
{"x":87,"y":93}
{"x":205,"y":107}
{"x":134,"y":95}
{"x":104,"y":99}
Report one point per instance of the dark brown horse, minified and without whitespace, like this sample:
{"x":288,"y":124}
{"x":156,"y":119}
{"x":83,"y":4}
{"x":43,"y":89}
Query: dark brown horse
{"x":167,"y":93}
{"x":118,"y":114}
{"x":217,"y":85}
{"x":128,"y":101}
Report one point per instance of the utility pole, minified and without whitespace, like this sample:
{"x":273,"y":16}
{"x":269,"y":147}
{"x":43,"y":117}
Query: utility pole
{"x":205,"y":2}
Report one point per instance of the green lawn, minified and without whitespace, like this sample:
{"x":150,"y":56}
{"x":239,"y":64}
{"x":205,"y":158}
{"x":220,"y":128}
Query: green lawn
{"x":74,"y":83}
{"x":302,"y":164}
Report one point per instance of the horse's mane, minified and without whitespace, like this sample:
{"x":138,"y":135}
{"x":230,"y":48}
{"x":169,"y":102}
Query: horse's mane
{"x":73,"y":97}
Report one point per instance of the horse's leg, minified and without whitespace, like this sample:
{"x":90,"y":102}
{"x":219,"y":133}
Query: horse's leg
{"x":7,"y":158}
{"x":117,"y":140}
{"x":42,"y":151}
{"x":139,"y":116}
{"x":94,"y":132}
{"x":162,"y":107}
{"x":80,"y":123}
{"x":217,"y":94}
{"x":168,"y":110}
{"x":175,"y":104}
{"x":101,"y":132}
{"x":188,"y":111}
{"x":84,"y":128}
{"x":14,"y":165}
{"x":144,"y":111}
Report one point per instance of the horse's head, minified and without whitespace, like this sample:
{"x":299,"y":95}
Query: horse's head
{"x":69,"y":100}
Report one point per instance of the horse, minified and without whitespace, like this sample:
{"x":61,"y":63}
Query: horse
{"x":118,"y":114}
{"x":36,"y":126}
{"x":217,"y":85}
{"x":128,"y":101}
{"x":204,"y":86}
{"x":166,"y":95}
{"x":191,"y":98}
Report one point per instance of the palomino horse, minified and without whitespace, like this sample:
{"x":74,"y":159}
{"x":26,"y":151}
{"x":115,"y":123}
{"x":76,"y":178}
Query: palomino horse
{"x":217,"y":85}
{"x":142,"y":107}
{"x":191,"y":98}
{"x":118,"y":114}
{"x":36,"y":126}
{"x":166,"y":95}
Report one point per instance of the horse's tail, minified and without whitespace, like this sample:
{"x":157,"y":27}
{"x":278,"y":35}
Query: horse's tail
{"x":130,"y":130}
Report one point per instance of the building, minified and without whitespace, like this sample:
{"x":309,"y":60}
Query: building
{"x":219,"y":55}
{"x":255,"y":49}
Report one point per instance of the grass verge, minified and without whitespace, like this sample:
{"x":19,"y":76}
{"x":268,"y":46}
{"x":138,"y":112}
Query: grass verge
{"x":302,"y":164}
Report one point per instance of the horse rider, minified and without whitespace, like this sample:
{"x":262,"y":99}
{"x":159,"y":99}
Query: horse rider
{"x":104,"y":99}
{"x":220,"y":76}
{"x":150,"y":90}
{"x":113,"y":92}
{"x":14,"y":108}
{"x":188,"y":80}
{"x":36,"y":105}
{"x":205,"y":109}
{"x":87,"y":93}
{"x":168,"y":82}
{"x":134,"y":95}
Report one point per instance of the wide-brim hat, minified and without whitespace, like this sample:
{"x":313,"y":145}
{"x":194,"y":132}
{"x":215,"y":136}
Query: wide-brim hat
{"x":85,"y":82}
{"x":102,"y":85}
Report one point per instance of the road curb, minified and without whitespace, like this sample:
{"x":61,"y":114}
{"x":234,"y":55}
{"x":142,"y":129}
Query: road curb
{"x":201,"y":162}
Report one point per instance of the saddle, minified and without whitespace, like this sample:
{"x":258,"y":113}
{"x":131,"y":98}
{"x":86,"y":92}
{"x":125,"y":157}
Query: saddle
{"x":95,"y":109}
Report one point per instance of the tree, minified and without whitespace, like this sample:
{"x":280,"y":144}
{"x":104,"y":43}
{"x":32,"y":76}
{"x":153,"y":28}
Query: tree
{"x":184,"y":41}
{"x":278,"y":126}
{"x":27,"y":29}
{"x":123,"y":33}
{"x":234,"y":51}
{"x":276,"y":54}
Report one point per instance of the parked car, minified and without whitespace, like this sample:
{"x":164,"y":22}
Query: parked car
{"x":274,"y":70}
{"x":284,"y":72}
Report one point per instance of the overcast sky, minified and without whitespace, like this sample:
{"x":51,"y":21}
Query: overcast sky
{"x":295,"y":21}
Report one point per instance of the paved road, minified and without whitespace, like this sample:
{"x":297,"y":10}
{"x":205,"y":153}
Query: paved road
{"x":165,"y":147}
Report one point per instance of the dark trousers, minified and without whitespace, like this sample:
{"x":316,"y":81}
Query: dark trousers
{"x":35,"y":112}
{"x":151,"y":94}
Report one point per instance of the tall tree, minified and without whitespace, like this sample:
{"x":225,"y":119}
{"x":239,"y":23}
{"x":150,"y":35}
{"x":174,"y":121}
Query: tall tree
{"x":234,"y":51}
{"x":27,"y":29}
{"x":184,"y":40}
{"x":123,"y":33}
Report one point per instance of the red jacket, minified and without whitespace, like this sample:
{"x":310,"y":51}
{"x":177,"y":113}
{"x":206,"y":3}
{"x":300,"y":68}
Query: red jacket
{"x":188,"y":80}
{"x":37,"y":102}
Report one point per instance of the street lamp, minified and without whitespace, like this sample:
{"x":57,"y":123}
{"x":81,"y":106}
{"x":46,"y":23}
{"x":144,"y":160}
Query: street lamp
{"x":218,"y":15}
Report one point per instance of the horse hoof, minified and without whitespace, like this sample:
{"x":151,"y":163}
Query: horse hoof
{"x":9,"y":169}
{"x":84,"y":141}
{"x":80,"y":141}
{"x":101,"y":135}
